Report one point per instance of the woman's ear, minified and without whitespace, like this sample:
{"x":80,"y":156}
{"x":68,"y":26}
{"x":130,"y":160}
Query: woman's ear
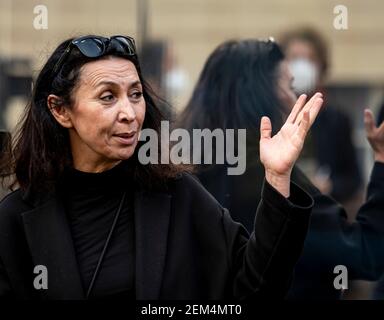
{"x":59,"y":111}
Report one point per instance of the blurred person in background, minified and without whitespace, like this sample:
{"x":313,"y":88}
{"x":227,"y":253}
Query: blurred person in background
{"x":153,"y":54}
{"x":241,"y":82}
{"x":163,"y":74}
{"x":5,"y":152}
{"x":378,"y":290}
{"x":329,"y":156}
{"x":380,"y":117}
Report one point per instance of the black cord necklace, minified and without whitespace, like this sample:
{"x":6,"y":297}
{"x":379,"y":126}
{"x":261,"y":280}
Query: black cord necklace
{"x":97,"y":269}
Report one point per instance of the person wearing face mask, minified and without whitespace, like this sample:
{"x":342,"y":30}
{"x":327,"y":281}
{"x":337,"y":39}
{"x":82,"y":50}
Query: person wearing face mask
{"x":335,"y":170}
{"x":241,"y":82}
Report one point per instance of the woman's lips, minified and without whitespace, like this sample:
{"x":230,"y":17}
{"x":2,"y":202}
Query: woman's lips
{"x":126,"y":138}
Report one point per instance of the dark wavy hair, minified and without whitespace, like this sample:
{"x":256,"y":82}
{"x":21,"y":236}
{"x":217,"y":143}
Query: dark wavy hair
{"x":236,"y":87}
{"x":41,"y":149}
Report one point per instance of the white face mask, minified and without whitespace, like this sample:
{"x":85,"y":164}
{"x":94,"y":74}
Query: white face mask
{"x":305,"y":74}
{"x":176,"y":81}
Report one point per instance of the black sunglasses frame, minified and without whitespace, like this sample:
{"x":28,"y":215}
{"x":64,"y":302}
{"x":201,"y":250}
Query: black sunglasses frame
{"x":79,"y":43}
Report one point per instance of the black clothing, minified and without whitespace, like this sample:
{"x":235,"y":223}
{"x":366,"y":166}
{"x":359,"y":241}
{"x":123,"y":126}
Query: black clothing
{"x":331,"y":239}
{"x":380,"y":117}
{"x":186,"y":245}
{"x":330,"y":144}
{"x":91,"y":201}
{"x":378,"y":292}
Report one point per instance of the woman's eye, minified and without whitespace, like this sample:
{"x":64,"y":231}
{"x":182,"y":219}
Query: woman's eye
{"x":137,"y":95}
{"x":108,"y":97}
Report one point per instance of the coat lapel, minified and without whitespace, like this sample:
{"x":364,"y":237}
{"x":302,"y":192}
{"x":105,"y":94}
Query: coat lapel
{"x":152,"y":213}
{"x":50,"y":243}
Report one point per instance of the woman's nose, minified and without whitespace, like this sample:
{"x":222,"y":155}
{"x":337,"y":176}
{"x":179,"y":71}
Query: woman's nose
{"x":126,"y":111}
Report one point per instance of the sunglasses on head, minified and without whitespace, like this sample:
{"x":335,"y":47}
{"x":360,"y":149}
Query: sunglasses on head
{"x":273,"y":48}
{"x":96,"y":46}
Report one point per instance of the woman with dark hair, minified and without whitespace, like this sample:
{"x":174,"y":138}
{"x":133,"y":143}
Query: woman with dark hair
{"x":89,"y":220}
{"x":241,"y":82}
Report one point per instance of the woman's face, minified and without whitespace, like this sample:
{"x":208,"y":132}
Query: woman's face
{"x":107,"y":115}
{"x":285,"y":91}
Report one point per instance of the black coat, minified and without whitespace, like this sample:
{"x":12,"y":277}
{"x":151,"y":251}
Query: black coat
{"x":330,"y":144}
{"x":331,"y":239}
{"x":187,"y":246}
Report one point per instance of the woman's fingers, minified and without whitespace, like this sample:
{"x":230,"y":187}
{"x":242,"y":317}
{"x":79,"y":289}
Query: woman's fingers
{"x":265,"y":128}
{"x":309,"y":116}
{"x":304,"y":126}
{"x":381,"y":128}
{"x":315,"y":109}
{"x":296,"y":108}
{"x":369,"y":122}
{"x":308,"y":106}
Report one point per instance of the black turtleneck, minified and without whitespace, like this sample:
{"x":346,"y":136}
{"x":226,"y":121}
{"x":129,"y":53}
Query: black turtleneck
{"x":91,"y":201}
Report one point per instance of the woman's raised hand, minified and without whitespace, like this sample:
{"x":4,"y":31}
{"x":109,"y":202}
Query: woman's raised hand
{"x":280,"y":152}
{"x":375,"y":135}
